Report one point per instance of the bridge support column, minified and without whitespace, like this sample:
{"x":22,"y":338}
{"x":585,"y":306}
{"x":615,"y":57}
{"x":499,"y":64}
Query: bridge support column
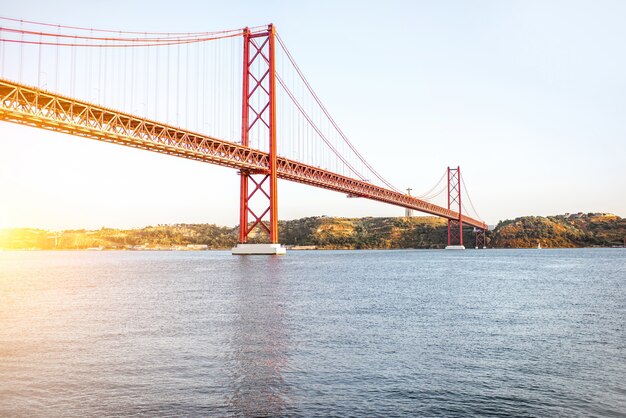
{"x":481,"y":238}
{"x":258,"y":122}
{"x":455,"y":226}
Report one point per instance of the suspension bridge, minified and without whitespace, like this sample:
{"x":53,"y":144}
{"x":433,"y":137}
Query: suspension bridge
{"x":234,"y":98}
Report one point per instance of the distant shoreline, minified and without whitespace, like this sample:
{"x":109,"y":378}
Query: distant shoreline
{"x":296,"y":249}
{"x":580,"y":230}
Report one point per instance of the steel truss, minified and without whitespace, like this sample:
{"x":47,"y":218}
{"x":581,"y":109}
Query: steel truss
{"x":42,"y":109}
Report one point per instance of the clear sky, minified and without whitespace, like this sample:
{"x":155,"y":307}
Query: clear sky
{"x":528,"y":97}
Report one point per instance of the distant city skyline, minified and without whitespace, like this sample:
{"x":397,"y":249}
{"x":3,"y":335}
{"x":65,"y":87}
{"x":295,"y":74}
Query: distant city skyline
{"x":527,"y":97}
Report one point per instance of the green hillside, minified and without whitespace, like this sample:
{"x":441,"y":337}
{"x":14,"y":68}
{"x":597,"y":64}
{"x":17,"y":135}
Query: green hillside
{"x":563,"y":231}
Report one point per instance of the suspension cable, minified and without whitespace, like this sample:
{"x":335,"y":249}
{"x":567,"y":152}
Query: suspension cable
{"x":442,"y":189}
{"x":121,"y":45}
{"x":329,"y":117}
{"x":178,"y":37}
{"x":116,"y":31}
{"x":424,"y":195}
{"x":316,"y":128}
{"x":470,"y":199}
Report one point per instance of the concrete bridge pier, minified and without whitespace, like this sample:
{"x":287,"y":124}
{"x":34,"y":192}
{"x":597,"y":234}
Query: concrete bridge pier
{"x":259,"y":249}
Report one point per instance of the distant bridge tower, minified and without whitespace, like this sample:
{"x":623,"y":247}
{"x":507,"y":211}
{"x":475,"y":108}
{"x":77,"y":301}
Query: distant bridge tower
{"x":408,"y":212}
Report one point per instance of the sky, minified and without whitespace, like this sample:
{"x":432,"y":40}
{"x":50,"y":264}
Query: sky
{"x":527,"y":97}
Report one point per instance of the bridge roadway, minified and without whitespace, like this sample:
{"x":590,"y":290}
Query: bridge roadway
{"x":35,"y":107}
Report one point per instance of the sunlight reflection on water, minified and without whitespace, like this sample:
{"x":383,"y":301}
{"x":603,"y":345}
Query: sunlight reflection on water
{"x":313,"y":333}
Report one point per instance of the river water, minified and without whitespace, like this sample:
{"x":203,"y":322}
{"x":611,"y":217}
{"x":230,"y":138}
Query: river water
{"x":314,"y":333}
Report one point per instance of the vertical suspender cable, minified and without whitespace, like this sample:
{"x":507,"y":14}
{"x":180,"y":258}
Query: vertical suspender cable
{"x":187,"y":87}
{"x":124,"y":76}
{"x":229,"y":105}
{"x":203,"y":76}
{"x":131,"y":85}
{"x":146,"y":93}
{"x":231,"y":87}
{"x":104,"y":73}
{"x":177,"y":84}
{"x":218,"y":89}
{"x":156,"y":84}
{"x":39,"y":64}
{"x":197,"y":86}
{"x":2,"y":47}
{"x":99,"y":90}
{"x":118,"y":77}
{"x":73,"y":71}
{"x":215,"y":92}
{"x":21,"y":54}
{"x":56,"y":65}
{"x":88,"y":71}
{"x":167,"y":86}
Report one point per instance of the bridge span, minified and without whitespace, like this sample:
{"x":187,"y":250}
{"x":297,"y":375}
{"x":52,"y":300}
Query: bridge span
{"x":37,"y":108}
{"x":259,"y":169}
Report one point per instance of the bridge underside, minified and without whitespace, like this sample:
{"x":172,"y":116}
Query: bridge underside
{"x":42,"y":109}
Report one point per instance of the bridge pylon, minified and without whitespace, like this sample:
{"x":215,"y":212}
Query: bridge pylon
{"x":258,"y":118}
{"x":455,"y":226}
{"x":481,"y":237}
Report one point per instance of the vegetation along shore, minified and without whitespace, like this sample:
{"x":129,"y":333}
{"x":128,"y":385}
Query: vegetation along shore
{"x":560,"y":231}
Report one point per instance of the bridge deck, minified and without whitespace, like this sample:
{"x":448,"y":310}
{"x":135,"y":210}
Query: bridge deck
{"x":42,"y":109}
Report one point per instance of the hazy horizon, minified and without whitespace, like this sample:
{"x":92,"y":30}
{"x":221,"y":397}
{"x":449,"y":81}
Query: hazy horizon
{"x":282,"y":219}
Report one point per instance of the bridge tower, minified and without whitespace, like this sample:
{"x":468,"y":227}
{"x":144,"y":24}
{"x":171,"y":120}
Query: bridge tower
{"x":455,"y":226}
{"x":481,"y":238}
{"x":258,"y":189}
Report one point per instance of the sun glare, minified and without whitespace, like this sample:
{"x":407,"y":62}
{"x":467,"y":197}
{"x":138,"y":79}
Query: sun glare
{"x":4,"y":221}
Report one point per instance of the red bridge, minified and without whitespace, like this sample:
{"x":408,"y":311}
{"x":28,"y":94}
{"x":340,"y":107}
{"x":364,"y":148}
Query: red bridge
{"x":302,"y":143}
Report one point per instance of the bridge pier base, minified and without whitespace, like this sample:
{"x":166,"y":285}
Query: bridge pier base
{"x":259,"y":249}
{"x":455,"y":247}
